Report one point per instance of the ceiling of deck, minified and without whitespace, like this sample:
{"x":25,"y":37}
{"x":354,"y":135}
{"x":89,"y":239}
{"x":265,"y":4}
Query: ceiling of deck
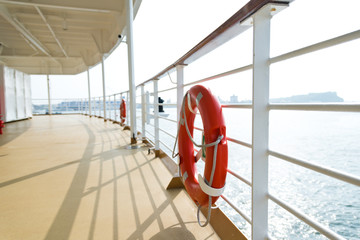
{"x":59,"y":36}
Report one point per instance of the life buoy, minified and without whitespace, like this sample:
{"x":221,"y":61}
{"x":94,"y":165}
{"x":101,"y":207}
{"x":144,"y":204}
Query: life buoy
{"x":2,"y":125}
{"x":122,"y":111}
{"x":199,"y":188}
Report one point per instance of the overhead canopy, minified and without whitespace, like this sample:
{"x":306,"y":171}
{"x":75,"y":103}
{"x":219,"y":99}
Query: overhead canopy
{"x":59,"y":36}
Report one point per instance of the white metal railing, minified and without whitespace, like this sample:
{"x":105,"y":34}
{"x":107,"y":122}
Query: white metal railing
{"x":150,"y":126}
{"x":57,"y":106}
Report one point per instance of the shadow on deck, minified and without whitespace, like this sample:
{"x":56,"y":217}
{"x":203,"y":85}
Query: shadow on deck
{"x":71,"y":177}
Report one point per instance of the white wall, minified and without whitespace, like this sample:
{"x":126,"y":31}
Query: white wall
{"x":15,"y":94}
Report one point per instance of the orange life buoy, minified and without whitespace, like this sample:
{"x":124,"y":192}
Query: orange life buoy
{"x":122,"y":111}
{"x":199,"y":189}
{"x":1,"y":126}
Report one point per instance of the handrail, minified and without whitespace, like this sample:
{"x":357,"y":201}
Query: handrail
{"x":228,"y":30}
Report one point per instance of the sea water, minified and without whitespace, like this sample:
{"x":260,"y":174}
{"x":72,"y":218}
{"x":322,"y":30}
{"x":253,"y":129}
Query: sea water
{"x":330,"y":139}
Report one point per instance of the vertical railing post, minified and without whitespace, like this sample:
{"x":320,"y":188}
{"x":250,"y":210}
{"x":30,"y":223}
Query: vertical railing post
{"x":49,"y":96}
{"x":156,"y":118}
{"x":127,"y":108}
{"x":99,"y":106}
{"x":260,"y":122}
{"x":114,"y":106}
{"x":103,"y":83}
{"x":147,"y":100}
{"x":121,"y":97}
{"x":179,"y":88}
{"x":143,"y":112}
{"x":94,"y":106}
{"x":109,"y":105}
{"x":89,"y":95}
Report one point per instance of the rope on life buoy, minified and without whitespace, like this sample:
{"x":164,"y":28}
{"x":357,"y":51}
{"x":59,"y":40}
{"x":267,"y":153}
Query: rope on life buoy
{"x":204,"y":185}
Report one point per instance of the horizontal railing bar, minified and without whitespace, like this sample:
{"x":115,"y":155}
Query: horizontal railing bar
{"x":165,"y":145}
{"x":318,"y":46}
{"x":245,"y":144}
{"x":167,"y":104}
{"x":168,"y":119}
{"x":227,"y":31}
{"x":149,"y":133}
{"x":319,"y":227}
{"x":149,"y":140}
{"x":316,"y":107}
{"x":167,"y":133}
{"x":239,"y":177}
{"x":165,"y":90}
{"x":326,"y":171}
{"x":242,"y":214}
{"x":224,"y":74}
{"x":246,"y":106}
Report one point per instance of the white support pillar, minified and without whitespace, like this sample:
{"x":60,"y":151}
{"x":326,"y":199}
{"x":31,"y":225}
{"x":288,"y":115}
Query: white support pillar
{"x":49,"y":96}
{"x":103,"y":83}
{"x":156,"y":118}
{"x":143,"y":111}
{"x":130,"y":47}
{"x":89,"y":94}
{"x":127,"y":109}
{"x":179,"y":88}
{"x":260,"y":123}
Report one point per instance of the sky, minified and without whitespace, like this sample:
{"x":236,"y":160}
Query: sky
{"x":164,"y":30}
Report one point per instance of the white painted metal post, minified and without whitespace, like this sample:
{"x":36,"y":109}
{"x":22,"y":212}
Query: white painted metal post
{"x":99,"y":106}
{"x":127,"y":109}
{"x":25,"y":108}
{"x":93,"y":106}
{"x":103,"y":83}
{"x":114,"y":106}
{"x":107,"y":105}
{"x":143,"y":111}
{"x":130,"y":47}
{"x":49,"y":96}
{"x":88,"y":77}
{"x":179,"y":88}
{"x":147,"y":107}
{"x":260,"y":122}
{"x":156,"y":117}
{"x":15,"y":95}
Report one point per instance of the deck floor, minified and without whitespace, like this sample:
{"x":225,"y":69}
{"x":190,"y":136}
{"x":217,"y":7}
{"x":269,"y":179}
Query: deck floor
{"x":71,"y":177}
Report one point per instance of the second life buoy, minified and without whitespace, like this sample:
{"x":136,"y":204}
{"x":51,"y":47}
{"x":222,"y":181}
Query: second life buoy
{"x":122,"y":111}
{"x":210,"y":187}
{"x":2,"y":125}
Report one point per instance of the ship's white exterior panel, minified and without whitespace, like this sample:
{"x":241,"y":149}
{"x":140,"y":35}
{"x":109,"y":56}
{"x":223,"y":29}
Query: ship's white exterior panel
{"x":15,"y":94}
